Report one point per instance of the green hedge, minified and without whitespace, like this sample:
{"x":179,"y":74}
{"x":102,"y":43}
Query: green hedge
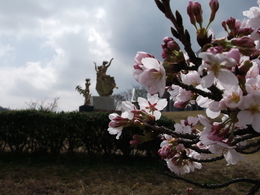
{"x":42,"y":132}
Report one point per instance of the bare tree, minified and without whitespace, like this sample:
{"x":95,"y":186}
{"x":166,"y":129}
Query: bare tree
{"x":43,"y":106}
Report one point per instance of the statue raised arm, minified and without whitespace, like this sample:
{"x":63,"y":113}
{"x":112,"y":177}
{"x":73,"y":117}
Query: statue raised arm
{"x":105,"y":83}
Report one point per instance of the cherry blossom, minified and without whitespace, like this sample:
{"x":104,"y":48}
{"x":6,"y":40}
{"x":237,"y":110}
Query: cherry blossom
{"x":250,"y":112}
{"x":254,"y":70}
{"x":212,"y":106}
{"x":228,"y":67}
{"x":186,"y":126}
{"x":217,"y":67}
{"x":253,"y":85}
{"x":232,"y":97}
{"x":231,"y":155}
{"x":152,"y":105}
{"x":151,"y":74}
{"x":180,"y":166}
{"x":191,"y":78}
{"x":129,"y":110}
{"x":254,"y":16}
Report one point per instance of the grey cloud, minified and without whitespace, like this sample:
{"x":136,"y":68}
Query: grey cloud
{"x":56,"y":34}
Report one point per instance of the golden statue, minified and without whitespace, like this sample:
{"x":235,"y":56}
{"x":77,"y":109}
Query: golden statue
{"x":105,"y":83}
{"x":85,"y":92}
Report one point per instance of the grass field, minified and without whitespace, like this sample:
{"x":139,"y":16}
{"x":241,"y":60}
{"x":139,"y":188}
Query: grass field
{"x":80,"y":175}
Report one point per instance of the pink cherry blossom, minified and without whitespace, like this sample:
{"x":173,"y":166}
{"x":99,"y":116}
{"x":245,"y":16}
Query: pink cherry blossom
{"x":212,"y":106}
{"x":254,"y":16}
{"x":184,"y":95}
{"x":140,"y":55}
{"x":138,"y":66}
{"x":214,"y":136}
{"x":152,"y":105}
{"x":234,"y":53}
{"x":191,"y":78}
{"x":173,"y":91}
{"x":180,"y":166}
{"x":231,"y":155}
{"x":217,"y":66}
{"x":253,"y":85}
{"x":250,"y":112}
{"x":232,"y":97}
{"x":186,"y":126}
{"x":129,"y":110}
{"x":151,"y":74}
{"x":191,"y":121}
{"x":254,"y":70}
{"x":182,"y":128}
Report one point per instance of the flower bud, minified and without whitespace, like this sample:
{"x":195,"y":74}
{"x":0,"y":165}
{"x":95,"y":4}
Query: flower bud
{"x":180,"y":105}
{"x":167,"y":152}
{"x":172,"y":45}
{"x":231,"y":23}
{"x":137,"y":139}
{"x":246,"y":42}
{"x":190,"y":13}
{"x":215,"y":50}
{"x":214,"y":5}
{"x":197,"y":12}
{"x":246,"y":45}
{"x":119,"y":121}
{"x":189,"y":191}
{"x":170,"y":49}
{"x":244,"y":32}
{"x":224,"y":25}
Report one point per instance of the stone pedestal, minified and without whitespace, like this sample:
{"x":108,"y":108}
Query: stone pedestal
{"x":85,"y":108}
{"x":102,"y":103}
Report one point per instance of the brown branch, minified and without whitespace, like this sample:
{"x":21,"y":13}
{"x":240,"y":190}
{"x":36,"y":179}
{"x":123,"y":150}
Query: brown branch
{"x":178,"y":32}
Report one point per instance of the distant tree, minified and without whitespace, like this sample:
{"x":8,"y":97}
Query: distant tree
{"x":3,"y":109}
{"x":43,"y":106}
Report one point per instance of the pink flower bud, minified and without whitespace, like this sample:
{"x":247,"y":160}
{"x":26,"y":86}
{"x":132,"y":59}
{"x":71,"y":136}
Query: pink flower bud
{"x":215,"y":50}
{"x":197,"y":12}
{"x":172,"y":45}
{"x":244,"y":31}
{"x":214,"y":5}
{"x":190,"y":13}
{"x":167,"y":152}
{"x":246,"y":45}
{"x":137,"y":139}
{"x":224,"y":25}
{"x":189,"y":191}
{"x":231,"y":23}
{"x":167,"y":39}
{"x":247,"y":42}
{"x":180,"y":105}
{"x":119,"y":121}
{"x":170,"y":48}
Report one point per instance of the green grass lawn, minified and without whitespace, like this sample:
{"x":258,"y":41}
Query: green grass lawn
{"x":118,"y":175}
{"x":83,"y":175}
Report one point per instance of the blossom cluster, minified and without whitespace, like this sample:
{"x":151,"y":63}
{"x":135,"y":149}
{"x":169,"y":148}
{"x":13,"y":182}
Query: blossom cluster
{"x":223,"y":78}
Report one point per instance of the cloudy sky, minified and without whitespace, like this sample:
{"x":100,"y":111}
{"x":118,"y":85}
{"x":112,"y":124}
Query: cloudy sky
{"x":48,"y":47}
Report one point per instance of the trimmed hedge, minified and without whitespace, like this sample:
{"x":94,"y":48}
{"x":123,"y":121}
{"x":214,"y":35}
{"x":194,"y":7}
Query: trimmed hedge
{"x":42,"y":132}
